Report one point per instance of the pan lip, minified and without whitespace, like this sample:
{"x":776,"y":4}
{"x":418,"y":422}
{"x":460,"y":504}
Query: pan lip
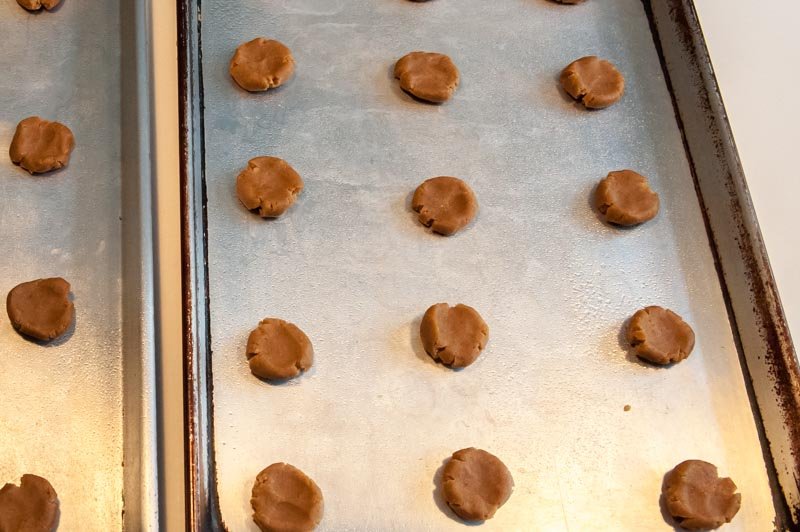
{"x":202,"y":504}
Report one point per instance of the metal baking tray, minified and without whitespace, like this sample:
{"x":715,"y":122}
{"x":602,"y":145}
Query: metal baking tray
{"x":375,"y":418}
{"x":81,"y":411}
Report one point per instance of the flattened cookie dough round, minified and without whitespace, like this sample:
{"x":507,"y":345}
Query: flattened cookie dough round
{"x":30,"y":507}
{"x":454,"y":336}
{"x":286,"y":500}
{"x":268,"y":185}
{"x":261,"y":64}
{"x":445,"y":204}
{"x":475,"y":484}
{"x":278,"y":350}
{"x":660,"y":336}
{"x":594,"y":81}
{"x":697,"y":498}
{"x":36,"y":5}
{"x":41,"y":309}
{"x":429,"y":76}
{"x":625,"y":198}
{"x":41,"y":146}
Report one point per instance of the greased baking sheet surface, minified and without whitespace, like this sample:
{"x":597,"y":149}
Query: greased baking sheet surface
{"x":375,"y":418}
{"x":61,"y":404}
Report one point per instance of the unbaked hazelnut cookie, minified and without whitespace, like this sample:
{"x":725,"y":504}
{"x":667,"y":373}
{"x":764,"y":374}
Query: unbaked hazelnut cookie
{"x":697,"y":498}
{"x":41,"y":146}
{"x":660,"y":336}
{"x":593,"y":81}
{"x":454,"y":336}
{"x":36,"y":5}
{"x":286,"y":500}
{"x":476,"y":484}
{"x":269,"y":186}
{"x":429,"y":76}
{"x":625,"y":198}
{"x":261,"y":64}
{"x":30,"y":507}
{"x":278,"y":350}
{"x":41,"y":309}
{"x":445,"y":204}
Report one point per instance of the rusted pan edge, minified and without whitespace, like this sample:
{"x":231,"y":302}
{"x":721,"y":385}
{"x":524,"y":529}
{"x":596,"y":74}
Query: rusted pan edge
{"x":757,"y":315}
{"x":201,"y":501}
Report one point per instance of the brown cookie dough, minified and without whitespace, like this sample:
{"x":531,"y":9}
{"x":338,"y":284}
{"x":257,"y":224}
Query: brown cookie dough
{"x":268,"y":185}
{"x":40,"y":146}
{"x":475,"y":484}
{"x":278,"y":350}
{"x":697,"y":498}
{"x":445,"y":204}
{"x":454,"y":336}
{"x":594,"y":81}
{"x":261,"y":64}
{"x":30,"y":507}
{"x":427,"y":75}
{"x":36,"y":5}
{"x":660,"y":336}
{"x":625,"y":198}
{"x":286,"y":500}
{"x":41,"y":309}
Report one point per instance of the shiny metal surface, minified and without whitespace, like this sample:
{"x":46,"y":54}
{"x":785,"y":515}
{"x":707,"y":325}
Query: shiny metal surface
{"x":375,"y":418}
{"x":80,"y":411}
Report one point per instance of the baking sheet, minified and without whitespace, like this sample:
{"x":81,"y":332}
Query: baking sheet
{"x":374,"y":419}
{"x":61,"y":412}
